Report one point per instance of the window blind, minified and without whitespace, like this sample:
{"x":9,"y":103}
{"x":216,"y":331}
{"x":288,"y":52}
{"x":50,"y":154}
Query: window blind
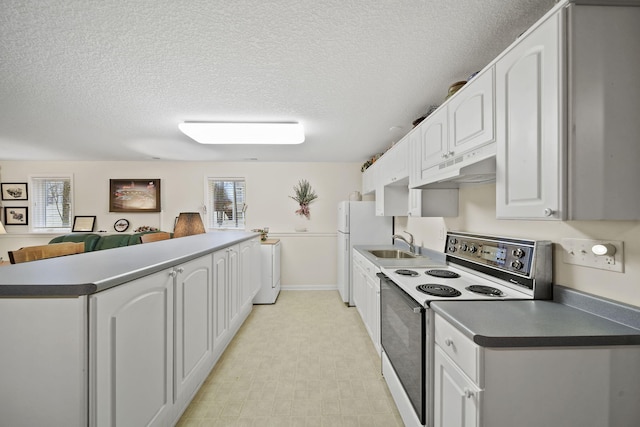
{"x":226,"y":205}
{"x":51,"y":203}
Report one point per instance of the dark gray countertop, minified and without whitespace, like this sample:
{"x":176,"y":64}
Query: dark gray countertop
{"x":91,"y":272}
{"x":533,"y":324}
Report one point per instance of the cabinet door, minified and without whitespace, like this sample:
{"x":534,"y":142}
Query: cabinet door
{"x":131,"y":351}
{"x":193,"y":326}
{"x":456,"y":398}
{"x":373,"y":304}
{"x":435,"y":136}
{"x":233,"y":283}
{"x":220,"y":292}
{"x":358,"y":283}
{"x":471,"y":118}
{"x":368,"y":181}
{"x":398,"y":164}
{"x":247,"y":266}
{"x":529,"y":79}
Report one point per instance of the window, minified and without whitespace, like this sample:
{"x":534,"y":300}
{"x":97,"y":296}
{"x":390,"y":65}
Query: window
{"x":226,"y":206}
{"x":51,"y":206}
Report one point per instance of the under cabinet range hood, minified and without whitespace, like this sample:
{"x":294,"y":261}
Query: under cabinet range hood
{"x":458,"y":171}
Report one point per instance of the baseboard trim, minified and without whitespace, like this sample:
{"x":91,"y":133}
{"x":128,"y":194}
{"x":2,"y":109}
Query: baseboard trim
{"x":309,"y":288}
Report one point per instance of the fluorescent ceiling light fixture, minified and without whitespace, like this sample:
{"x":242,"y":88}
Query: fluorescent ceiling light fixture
{"x":243,"y":132}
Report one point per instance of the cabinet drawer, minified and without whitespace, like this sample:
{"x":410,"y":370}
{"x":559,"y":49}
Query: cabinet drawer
{"x":463,"y":351}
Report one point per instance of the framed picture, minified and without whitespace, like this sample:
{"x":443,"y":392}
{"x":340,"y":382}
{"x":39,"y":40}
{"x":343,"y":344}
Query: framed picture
{"x":83,"y":223}
{"x":14,"y":191}
{"x":134,"y":195}
{"x":16,"y":215}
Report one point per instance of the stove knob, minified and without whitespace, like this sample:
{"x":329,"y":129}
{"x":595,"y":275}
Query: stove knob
{"x":472,"y":249}
{"x":518,"y":253}
{"x":453,"y":240}
{"x":463,"y":247}
{"x":516,"y":264}
{"x":452,"y":248}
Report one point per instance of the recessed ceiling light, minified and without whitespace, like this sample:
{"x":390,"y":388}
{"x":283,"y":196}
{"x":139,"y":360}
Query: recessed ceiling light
{"x":243,"y":132}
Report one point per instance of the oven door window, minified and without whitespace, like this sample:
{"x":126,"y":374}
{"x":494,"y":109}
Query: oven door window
{"x":403,"y":340}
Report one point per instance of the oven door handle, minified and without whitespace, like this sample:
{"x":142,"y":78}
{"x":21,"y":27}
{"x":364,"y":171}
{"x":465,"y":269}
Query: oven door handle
{"x":415,"y":307}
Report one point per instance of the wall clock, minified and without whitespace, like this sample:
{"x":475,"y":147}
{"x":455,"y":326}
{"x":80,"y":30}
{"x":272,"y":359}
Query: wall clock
{"x":121,"y":225}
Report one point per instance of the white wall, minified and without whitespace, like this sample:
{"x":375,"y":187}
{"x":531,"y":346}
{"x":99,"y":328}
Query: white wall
{"x":308,"y":259}
{"x":478,"y":214}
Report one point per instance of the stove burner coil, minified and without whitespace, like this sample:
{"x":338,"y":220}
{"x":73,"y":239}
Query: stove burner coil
{"x":411,"y":273}
{"x":444,"y":274}
{"x":485,"y":290}
{"x":439,"y":290}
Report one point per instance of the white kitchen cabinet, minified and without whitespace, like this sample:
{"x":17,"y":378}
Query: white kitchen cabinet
{"x":392,"y":179}
{"x":369,"y":180}
{"x":458,"y":134}
{"x":270,"y":274}
{"x":532,"y":386}
{"x":225,"y":285}
{"x":250,"y":273}
{"x":430,"y":202}
{"x":434,"y":141}
{"x":131,"y":353}
{"x":456,"y":396}
{"x":366,"y":295}
{"x":193,"y":321}
{"x":566,"y":108}
{"x":529,"y":180}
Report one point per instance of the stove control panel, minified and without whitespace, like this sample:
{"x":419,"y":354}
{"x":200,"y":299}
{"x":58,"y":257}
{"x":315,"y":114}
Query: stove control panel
{"x":512,"y":255}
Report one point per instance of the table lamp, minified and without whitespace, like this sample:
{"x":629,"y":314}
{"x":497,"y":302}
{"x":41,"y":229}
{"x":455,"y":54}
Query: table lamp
{"x":188,"y":223}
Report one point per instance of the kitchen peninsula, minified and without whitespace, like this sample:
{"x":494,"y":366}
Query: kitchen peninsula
{"x":124,"y":336}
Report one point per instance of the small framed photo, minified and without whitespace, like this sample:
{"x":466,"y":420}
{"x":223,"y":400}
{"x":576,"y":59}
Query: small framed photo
{"x":83,"y":223}
{"x":134,"y":195}
{"x":14,"y":191}
{"x":16,"y":215}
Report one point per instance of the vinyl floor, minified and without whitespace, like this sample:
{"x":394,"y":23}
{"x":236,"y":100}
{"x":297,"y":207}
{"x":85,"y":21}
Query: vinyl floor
{"x":305,"y":361}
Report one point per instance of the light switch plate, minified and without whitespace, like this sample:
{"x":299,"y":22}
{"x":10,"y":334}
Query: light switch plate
{"x":578,"y":252}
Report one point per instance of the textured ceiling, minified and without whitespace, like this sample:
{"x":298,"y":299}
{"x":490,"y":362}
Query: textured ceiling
{"x":111,"y":79}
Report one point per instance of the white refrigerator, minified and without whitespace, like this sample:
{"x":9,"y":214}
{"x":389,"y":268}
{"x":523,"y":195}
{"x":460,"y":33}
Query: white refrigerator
{"x":358,"y":225}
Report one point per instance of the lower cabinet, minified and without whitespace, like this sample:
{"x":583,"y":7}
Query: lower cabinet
{"x":154,"y":340}
{"x":532,"y":386}
{"x":193,"y":296}
{"x":366,"y":295}
{"x":131,"y":353}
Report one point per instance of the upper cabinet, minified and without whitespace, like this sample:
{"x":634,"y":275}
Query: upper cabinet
{"x":458,"y":135}
{"x":567,"y":102}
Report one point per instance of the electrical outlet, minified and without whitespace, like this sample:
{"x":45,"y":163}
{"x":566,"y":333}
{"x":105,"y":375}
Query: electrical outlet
{"x":580,"y":252}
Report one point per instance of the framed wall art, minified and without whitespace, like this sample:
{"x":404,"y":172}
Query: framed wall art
{"x":83,"y":223}
{"x":134,"y":195}
{"x":14,"y":191}
{"x":16,"y":215}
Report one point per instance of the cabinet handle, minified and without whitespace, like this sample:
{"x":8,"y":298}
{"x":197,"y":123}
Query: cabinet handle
{"x":448,"y":342}
{"x":450,"y":154}
{"x":468,"y":393}
{"x":173,"y":274}
{"x":180,"y":270}
{"x":548,"y":212}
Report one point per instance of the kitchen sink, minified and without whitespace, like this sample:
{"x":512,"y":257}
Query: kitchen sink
{"x":392,"y":253}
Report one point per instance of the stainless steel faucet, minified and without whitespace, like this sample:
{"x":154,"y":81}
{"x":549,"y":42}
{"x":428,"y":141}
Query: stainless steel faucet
{"x":409,"y":242}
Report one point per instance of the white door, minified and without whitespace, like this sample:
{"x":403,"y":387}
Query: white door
{"x":435,"y":139}
{"x":194,"y":321}
{"x":132,"y":353}
{"x":471,"y":115}
{"x":220,"y":292}
{"x":529,"y":135}
{"x":456,"y":398}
